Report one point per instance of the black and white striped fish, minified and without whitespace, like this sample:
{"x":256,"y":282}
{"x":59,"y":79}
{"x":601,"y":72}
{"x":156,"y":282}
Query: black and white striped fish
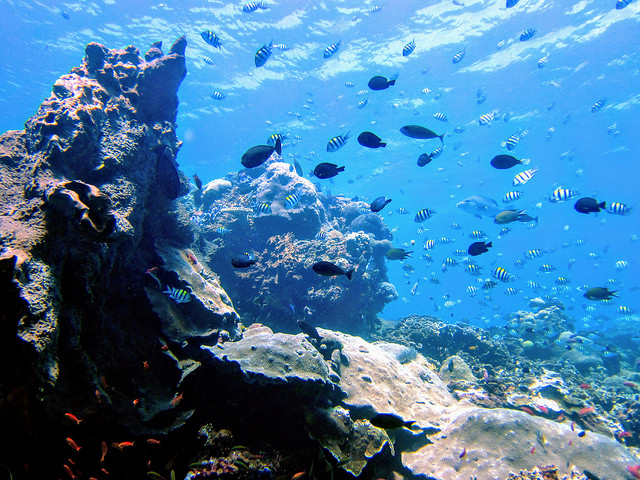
{"x":598,"y":105}
{"x":561,"y":194}
{"x":331,"y":49}
{"x":501,"y":274}
{"x":457,"y":58}
{"x":423,"y":215}
{"x":218,"y":95}
{"x":178,"y":295}
{"x":511,"y":197}
{"x":543,"y":61}
{"x":408,"y":48}
{"x":338,"y":142}
{"x":253,"y":6}
{"x":440,"y":116}
{"x":523,"y":177}
{"x":618,"y":208}
{"x":527,"y":34}
{"x":263,"y":54}
{"x":212,"y":39}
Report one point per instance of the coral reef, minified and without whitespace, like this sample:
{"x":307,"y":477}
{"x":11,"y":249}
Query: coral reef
{"x":249,"y":212}
{"x":87,"y":189}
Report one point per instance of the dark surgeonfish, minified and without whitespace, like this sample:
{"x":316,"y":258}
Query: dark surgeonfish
{"x":370,"y":140}
{"x":397,"y":254}
{"x":242,"y":260}
{"x":327,"y":170}
{"x":379,"y":203}
{"x":418,"y":131}
{"x":589,"y":205}
{"x":328,"y":269}
{"x":502,"y":162}
{"x":309,"y":330}
{"x":380,"y":83}
{"x":599,"y":293}
{"x":478,"y":248}
{"x":389,"y":421}
{"x":256,"y":156}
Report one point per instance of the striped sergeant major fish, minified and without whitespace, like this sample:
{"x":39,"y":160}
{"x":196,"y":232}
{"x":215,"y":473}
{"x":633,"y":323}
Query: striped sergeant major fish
{"x":263,"y":54}
{"x":618,"y":208}
{"x":457,"y":58}
{"x":212,"y":39}
{"x":561,"y":194}
{"x":620,"y":4}
{"x":440,"y":116}
{"x":512,"y":141}
{"x":523,"y":177}
{"x":207,"y":60}
{"x":408,"y":48}
{"x":178,"y":295}
{"x":253,"y":6}
{"x":598,"y":105}
{"x":543,"y":61}
{"x":527,"y":34}
{"x":281,"y":46}
{"x":331,"y":49}
{"x":292,"y":199}
{"x":338,"y":142}
{"x":218,"y":95}
{"x":423,"y":215}
{"x":511,"y":197}
{"x":262,"y":207}
{"x":486,"y":119}
{"x":501,"y":274}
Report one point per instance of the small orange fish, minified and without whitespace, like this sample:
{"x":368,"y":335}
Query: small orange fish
{"x":164,"y":347}
{"x":122,"y":445}
{"x":104,"y":451}
{"x":73,"y":444}
{"x":145,"y":365}
{"x":98,"y":395}
{"x":586,"y":411}
{"x":68,"y":471}
{"x":560,"y":418}
{"x":472,"y":347}
{"x":630,"y":385}
{"x":136,"y":402}
{"x":192,"y":258}
{"x":177,"y":399}
{"x":527,"y":410}
{"x":585,"y":386}
{"x":624,"y":434}
{"x":153,"y":441}
{"x":72,"y":417}
{"x":543,"y":409}
{"x":105,"y":471}
{"x":298,"y":476}
{"x":71,"y":462}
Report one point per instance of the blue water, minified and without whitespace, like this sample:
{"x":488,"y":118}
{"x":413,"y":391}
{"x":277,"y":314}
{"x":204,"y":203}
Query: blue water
{"x":593,"y":54}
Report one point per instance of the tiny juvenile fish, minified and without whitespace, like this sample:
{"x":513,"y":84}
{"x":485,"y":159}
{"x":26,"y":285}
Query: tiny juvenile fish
{"x":408,"y":48}
{"x":457,"y":58}
{"x":331,"y":49}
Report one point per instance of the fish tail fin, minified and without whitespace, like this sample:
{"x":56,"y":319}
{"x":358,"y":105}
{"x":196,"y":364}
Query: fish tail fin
{"x":536,"y":220}
{"x":349,"y":274}
{"x":490,"y":244}
{"x":441,"y":137}
{"x":382,"y":144}
{"x":347,"y":135}
{"x":602,"y":205}
{"x":278,"y":146}
{"x":525,"y":161}
{"x":340,"y":169}
{"x":168,"y":290}
{"x":613,"y":294}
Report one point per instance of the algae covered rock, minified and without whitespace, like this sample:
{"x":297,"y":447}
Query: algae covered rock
{"x":455,"y":369}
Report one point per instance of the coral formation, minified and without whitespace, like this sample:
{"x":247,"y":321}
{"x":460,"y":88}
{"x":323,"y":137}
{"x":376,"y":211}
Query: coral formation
{"x":248,"y":212}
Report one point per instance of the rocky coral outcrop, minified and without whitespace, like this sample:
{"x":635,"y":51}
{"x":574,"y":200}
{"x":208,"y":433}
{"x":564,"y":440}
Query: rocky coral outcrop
{"x":87,"y":187}
{"x":249,"y":212}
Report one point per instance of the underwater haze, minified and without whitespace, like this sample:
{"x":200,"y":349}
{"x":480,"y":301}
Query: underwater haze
{"x":551,"y":83}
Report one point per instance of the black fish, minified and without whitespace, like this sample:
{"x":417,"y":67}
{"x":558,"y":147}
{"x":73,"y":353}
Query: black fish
{"x":379,"y":203}
{"x":599,"y":293}
{"x":424,"y":159}
{"x":196,"y":179}
{"x":502,"y":162}
{"x":418,"y":131}
{"x":478,"y":248}
{"x":242,"y":260}
{"x":327,"y":170}
{"x":589,"y":205}
{"x":309,"y":330}
{"x":370,"y":140}
{"x":380,"y":83}
{"x":256,"y":156}
{"x":390,"y":421}
{"x":590,"y":476}
{"x":329,"y":269}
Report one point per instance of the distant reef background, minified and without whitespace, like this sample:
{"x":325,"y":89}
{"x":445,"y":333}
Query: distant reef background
{"x":107,"y":373}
